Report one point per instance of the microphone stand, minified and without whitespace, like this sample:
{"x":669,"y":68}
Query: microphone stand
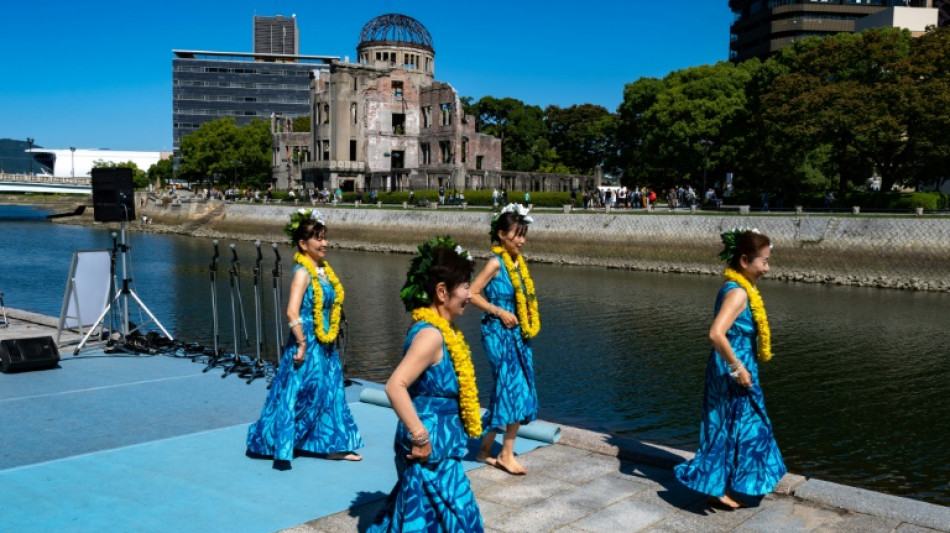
{"x":238,"y":363}
{"x":257,"y":370}
{"x":277,"y":273}
{"x":213,"y":273}
{"x":341,"y":341}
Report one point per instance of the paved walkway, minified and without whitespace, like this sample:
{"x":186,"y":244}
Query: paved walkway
{"x":596,"y":483}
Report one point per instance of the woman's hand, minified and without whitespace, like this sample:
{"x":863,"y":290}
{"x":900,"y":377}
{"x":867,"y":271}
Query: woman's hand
{"x":510,"y":320}
{"x":744,"y":378}
{"x":301,"y":354}
{"x":420,"y":453}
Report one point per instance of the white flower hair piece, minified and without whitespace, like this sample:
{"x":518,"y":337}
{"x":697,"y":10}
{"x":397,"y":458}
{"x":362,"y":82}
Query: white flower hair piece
{"x":312,"y":214}
{"x":462,"y":252}
{"x":521,"y":210}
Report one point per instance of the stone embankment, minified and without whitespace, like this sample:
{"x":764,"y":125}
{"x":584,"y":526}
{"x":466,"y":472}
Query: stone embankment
{"x":908,"y":253}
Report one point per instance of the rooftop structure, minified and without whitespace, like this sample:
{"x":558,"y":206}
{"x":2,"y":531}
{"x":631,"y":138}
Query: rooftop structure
{"x":276,"y":35}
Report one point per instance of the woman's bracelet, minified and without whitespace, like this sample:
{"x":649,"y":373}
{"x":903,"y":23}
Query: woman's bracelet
{"x":736,"y":370}
{"x":421,"y":440}
{"x":293,"y":323}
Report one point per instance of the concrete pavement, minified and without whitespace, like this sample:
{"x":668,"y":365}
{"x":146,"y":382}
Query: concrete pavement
{"x":596,"y":483}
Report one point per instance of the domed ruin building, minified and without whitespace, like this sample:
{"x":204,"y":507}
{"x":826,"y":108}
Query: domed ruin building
{"x":385,"y":123}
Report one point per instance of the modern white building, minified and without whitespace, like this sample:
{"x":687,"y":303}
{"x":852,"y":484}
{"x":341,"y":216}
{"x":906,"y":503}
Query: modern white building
{"x":79,"y":162}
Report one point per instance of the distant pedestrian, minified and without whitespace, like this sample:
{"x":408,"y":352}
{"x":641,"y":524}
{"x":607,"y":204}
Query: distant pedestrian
{"x":765,"y":201}
{"x":737,"y":453}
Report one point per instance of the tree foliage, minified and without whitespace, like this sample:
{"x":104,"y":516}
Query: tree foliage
{"x":823,"y":113}
{"x":161,"y":172}
{"x":221,"y":152}
{"x":139,"y":178}
{"x":581,"y":135}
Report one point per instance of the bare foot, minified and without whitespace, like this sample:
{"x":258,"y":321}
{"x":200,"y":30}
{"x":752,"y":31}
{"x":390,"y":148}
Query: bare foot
{"x":512,"y":466}
{"x":484,"y":458}
{"x":345,"y":456}
{"x":724,"y":501}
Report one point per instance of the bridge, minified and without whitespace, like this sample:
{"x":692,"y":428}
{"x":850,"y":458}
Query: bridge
{"x":44,"y":184}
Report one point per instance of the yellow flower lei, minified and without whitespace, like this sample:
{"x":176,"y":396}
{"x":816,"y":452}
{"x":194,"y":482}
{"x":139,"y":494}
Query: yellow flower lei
{"x":336,"y":311}
{"x":758,"y":313}
{"x":469,"y":410}
{"x":526,"y":299}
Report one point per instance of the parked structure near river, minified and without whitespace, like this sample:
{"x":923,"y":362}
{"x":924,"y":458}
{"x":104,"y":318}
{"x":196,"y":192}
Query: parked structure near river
{"x":883,"y":251}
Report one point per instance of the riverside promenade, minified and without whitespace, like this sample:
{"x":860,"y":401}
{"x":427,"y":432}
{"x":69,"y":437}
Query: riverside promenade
{"x":155,"y":444}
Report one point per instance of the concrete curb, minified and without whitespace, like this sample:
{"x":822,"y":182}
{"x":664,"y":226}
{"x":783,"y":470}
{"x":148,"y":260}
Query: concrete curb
{"x":875,"y":504}
{"x":812,"y":490}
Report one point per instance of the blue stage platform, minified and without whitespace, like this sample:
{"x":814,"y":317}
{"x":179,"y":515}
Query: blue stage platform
{"x":133,"y":443}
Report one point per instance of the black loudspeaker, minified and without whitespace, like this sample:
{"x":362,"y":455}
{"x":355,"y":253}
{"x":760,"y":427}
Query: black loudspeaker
{"x":21,"y":355}
{"x":113,"y":196}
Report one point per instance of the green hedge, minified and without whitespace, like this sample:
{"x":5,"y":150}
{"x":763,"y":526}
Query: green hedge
{"x":473,"y":198}
{"x":896,"y":201}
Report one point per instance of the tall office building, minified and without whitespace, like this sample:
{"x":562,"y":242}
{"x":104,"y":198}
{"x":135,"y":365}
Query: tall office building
{"x":276,"y":35}
{"x":270,"y":81}
{"x":762,"y":27}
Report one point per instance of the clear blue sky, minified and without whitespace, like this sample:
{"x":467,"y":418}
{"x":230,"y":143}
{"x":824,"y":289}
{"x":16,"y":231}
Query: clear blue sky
{"x":97,"y":74}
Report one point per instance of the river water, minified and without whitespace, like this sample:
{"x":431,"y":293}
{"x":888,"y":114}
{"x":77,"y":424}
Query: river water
{"x":858,"y":390}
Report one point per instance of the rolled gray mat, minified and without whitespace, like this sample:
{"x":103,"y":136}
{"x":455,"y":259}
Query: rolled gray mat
{"x":537,"y":430}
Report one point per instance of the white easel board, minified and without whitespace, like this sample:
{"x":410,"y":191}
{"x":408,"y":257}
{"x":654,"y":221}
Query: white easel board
{"x":87,"y":289}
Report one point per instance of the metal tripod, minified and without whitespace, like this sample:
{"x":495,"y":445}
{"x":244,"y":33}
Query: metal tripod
{"x":123,"y":296}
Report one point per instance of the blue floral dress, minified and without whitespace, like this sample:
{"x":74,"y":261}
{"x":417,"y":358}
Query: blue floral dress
{"x":514,"y":398}
{"x":434,"y":496}
{"x":737,"y":450}
{"x":306,"y":406}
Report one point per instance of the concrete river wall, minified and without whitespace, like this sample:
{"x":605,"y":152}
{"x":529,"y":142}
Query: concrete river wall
{"x":884,"y":251}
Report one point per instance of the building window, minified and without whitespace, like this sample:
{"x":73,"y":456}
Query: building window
{"x":326,"y":149}
{"x":426,"y":116}
{"x":445,"y":149}
{"x":446,"y":114}
{"x":353,"y":116}
{"x":397,"y":89}
{"x":464,"y":147}
{"x":426,"y":153}
{"x":399,"y":123}
{"x":478,"y":162}
{"x":352,"y":150}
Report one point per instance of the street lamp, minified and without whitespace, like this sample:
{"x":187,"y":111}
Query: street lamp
{"x":705,"y":144}
{"x":72,"y":155}
{"x":30,"y":141}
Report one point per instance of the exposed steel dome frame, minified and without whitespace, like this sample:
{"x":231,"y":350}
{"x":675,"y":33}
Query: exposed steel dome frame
{"x":395,"y":29}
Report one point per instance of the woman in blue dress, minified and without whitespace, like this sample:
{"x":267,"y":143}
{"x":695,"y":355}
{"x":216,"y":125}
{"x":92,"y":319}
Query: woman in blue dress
{"x":306,"y":409}
{"x":505,"y":291}
{"x":737,"y":453}
{"x":434,"y":396}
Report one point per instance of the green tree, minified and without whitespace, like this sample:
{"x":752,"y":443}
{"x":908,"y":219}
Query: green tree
{"x":222,"y":152}
{"x":638,"y":97}
{"x":520,"y":127}
{"x":929,"y":69}
{"x":582,"y":135}
{"x":139,"y":178}
{"x":704,"y":103}
{"x":161,"y":172}
{"x":849,"y":92}
{"x":301,"y":124}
